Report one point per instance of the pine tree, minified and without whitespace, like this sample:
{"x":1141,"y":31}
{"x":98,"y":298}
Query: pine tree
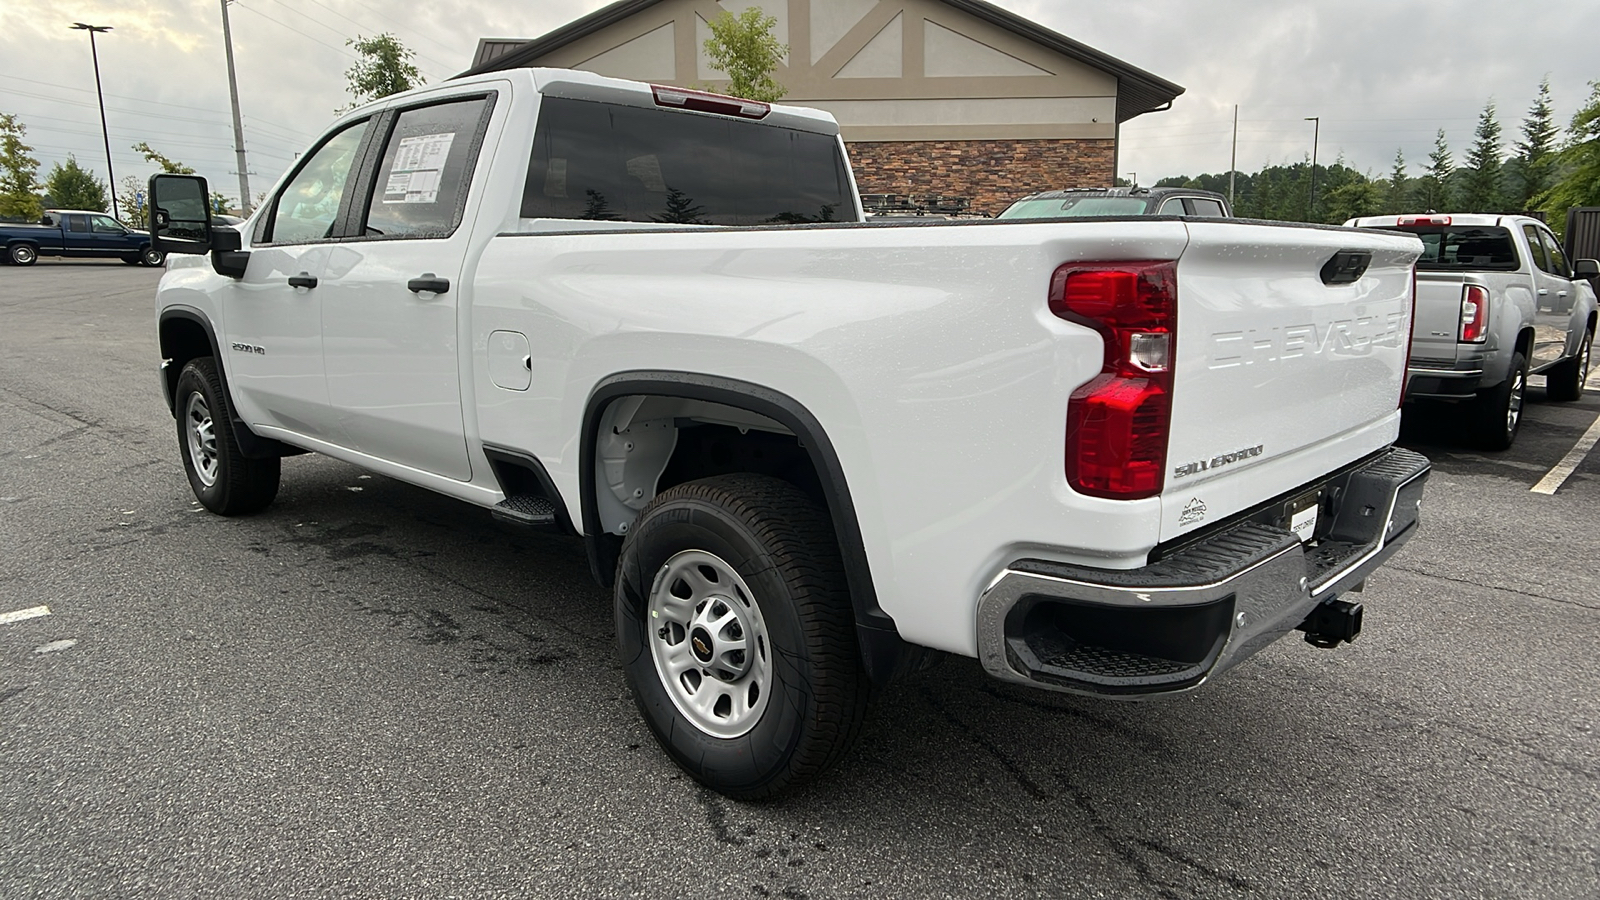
{"x":1536,"y":151}
{"x":19,"y":172}
{"x":1399,"y":195}
{"x":1579,"y":165}
{"x":681,"y":209}
{"x":1480,"y":177}
{"x":1433,"y":188}
{"x":71,"y":186}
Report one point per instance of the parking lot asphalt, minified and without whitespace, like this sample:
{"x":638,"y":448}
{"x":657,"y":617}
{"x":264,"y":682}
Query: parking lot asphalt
{"x":372,"y":691}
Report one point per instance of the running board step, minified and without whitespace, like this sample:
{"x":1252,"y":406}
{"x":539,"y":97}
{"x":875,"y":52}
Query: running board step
{"x":527,"y":510}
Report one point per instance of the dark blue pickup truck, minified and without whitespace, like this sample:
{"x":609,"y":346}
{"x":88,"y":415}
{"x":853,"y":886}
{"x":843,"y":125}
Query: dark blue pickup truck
{"x":71,"y":232}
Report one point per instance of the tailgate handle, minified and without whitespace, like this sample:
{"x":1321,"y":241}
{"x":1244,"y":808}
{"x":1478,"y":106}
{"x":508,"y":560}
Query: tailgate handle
{"x":1346,"y":267}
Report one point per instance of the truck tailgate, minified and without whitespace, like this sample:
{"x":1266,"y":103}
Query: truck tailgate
{"x":1280,"y":378}
{"x":1433,"y":341}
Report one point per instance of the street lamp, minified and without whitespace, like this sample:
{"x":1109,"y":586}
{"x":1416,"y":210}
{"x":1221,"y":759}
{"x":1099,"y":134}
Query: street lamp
{"x":1316,"y":132}
{"x":111,"y":176}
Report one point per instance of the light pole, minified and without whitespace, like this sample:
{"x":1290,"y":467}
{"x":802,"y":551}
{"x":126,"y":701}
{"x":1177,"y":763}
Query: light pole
{"x":238,"y":126}
{"x":1316,"y":132}
{"x":111,"y":177}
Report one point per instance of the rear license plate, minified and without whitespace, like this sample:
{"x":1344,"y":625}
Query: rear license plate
{"x":1303,"y":518}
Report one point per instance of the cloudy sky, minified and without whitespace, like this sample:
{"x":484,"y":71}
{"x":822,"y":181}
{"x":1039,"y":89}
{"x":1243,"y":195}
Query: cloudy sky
{"x":1381,"y":74}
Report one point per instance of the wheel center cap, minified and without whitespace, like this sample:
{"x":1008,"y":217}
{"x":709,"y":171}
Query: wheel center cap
{"x":700,"y":642}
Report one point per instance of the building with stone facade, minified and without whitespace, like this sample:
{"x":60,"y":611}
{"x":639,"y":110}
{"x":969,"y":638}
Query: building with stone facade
{"x":957,"y":98}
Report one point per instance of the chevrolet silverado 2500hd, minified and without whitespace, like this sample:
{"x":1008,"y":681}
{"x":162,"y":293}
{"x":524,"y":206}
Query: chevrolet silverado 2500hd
{"x":1111,"y":456}
{"x":1497,"y":301}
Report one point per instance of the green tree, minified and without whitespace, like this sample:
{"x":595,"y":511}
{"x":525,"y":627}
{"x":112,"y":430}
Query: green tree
{"x":1536,"y":151}
{"x":1433,"y":188}
{"x":169,"y":166}
{"x":135,"y":211}
{"x":745,"y":48}
{"x":1480,"y":177}
{"x":384,"y":68}
{"x":1577,"y":180}
{"x":1398,"y":197}
{"x":71,"y":186}
{"x":19,"y":172}
{"x":1353,"y":199}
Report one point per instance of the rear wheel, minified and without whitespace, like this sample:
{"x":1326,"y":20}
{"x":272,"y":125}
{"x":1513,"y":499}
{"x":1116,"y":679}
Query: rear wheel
{"x":152,"y":257}
{"x":22,"y":254}
{"x":1499,"y":409}
{"x":223,"y":480}
{"x":736,"y":634}
{"x":1566,"y":381}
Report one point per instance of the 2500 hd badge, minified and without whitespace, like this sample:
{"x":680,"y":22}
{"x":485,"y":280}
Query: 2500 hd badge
{"x":1216,"y":462}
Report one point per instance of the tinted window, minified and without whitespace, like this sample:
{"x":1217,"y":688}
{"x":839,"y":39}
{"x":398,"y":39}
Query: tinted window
{"x":421,"y":188}
{"x":1536,"y":249}
{"x":107,"y":225}
{"x":1210,"y":209}
{"x":77,"y":223}
{"x":1465,"y":247}
{"x":1558,"y":260}
{"x":1075,"y":206}
{"x":600,"y":161}
{"x":309,"y":204}
{"x":1173,"y":207}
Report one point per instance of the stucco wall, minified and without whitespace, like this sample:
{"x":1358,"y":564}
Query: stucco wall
{"x":991,"y":173}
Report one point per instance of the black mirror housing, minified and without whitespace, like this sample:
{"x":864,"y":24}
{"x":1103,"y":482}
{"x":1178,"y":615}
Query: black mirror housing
{"x":180,"y":214}
{"x":1585,"y":268}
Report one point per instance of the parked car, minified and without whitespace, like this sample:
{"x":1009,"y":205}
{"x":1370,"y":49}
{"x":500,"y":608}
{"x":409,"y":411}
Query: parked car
{"x":1138,"y":201}
{"x":803,"y":457}
{"x":77,"y":233}
{"x":1497,"y":301}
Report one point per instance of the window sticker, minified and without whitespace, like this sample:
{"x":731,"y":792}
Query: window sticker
{"x":418,"y":163}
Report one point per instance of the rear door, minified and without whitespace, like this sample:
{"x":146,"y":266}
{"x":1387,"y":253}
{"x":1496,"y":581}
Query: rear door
{"x":1553,"y":296}
{"x":391,"y":302}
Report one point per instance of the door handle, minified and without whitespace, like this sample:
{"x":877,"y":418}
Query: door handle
{"x":1561,"y":293}
{"x":430,"y":283}
{"x":1544,"y":292}
{"x":303,"y":280}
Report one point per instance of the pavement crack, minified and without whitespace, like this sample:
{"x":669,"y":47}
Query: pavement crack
{"x":1022,"y":778}
{"x":1495,"y":587}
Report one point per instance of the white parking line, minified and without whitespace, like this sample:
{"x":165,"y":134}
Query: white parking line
{"x":1570,"y":462}
{"x":33,"y":612}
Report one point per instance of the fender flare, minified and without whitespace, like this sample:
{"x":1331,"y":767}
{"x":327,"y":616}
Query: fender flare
{"x":251,"y":445}
{"x":883,"y":653}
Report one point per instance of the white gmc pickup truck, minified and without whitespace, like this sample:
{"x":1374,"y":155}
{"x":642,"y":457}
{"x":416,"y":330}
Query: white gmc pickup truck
{"x":1110,"y":456}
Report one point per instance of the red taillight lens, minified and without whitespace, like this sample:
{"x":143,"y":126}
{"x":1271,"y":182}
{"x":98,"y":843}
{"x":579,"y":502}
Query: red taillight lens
{"x":1474,"y":314}
{"x":1118,"y":423}
{"x":1410,"y":221}
{"x":703,"y":101}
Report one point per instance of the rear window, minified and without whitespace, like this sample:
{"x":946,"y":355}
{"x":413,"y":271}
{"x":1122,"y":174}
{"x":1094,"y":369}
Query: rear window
{"x":1446,"y":247}
{"x":1075,"y":206}
{"x":621,"y":163}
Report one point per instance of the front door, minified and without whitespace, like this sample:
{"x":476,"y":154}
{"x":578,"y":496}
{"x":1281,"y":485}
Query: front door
{"x":274,"y":313}
{"x":391,"y":299}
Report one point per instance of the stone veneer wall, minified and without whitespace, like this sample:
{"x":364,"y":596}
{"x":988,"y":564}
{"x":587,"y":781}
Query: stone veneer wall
{"x":991,"y":173}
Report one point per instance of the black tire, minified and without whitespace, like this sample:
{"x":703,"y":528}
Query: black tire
{"x":132,"y":259}
{"x":223,"y":480}
{"x":1498,"y":413}
{"x":151,"y":257}
{"x":1565,"y":382}
{"x":782,"y":546}
{"x":22,"y":254}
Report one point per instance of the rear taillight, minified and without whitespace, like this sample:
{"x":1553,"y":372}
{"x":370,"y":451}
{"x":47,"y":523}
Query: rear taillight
{"x":1474,"y":314}
{"x":1118,"y":423}
{"x":702,"y":101}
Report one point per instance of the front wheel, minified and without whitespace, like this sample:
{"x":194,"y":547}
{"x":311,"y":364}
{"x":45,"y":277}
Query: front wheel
{"x":22,"y":254}
{"x":223,"y":479}
{"x":1566,"y":381}
{"x":152,"y":257}
{"x":1499,"y":409}
{"x":736,"y":634}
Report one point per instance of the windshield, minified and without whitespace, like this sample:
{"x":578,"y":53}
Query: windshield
{"x":1446,"y":247}
{"x":1075,"y":206}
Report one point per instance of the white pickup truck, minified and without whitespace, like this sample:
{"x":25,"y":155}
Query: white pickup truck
{"x":1111,"y":456}
{"x":1497,"y":301}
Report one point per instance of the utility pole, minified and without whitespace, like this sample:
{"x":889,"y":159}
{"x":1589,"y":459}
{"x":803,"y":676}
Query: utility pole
{"x":111,"y":177}
{"x":1233,"y":159}
{"x":238,"y":123}
{"x":1316,"y":132}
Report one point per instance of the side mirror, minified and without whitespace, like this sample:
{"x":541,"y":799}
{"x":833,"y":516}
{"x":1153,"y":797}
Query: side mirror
{"x":1585,"y":268}
{"x":180,"y":214}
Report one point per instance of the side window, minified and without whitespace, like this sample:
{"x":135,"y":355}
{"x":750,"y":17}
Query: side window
{"x":421,"y":185}
{"x":107,"y":225}
{"x":306,"y":208}
{"x":1173,"y":207}
{"x":1558,"y":260}
{"x":77,"y":223}
{"x":1535,"y":248}
{"x":1210,"y":209}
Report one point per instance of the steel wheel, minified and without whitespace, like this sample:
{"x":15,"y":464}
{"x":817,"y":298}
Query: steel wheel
{"x":23,"y":254}
{"x":200,"y":430}
{"x":710,"y":643}
{"x":152,"y":257}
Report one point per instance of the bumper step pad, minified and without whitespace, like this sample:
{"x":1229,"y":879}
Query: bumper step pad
{"x":527,"y":510}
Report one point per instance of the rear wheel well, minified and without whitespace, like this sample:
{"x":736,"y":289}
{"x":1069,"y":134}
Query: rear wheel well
{"x":1525,"y":343}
